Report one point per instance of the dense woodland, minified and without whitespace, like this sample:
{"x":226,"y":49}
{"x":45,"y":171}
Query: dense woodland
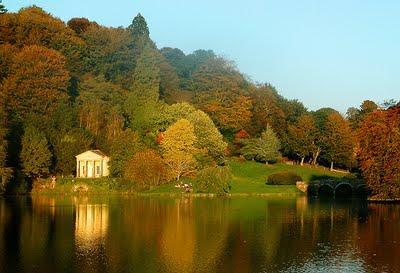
{"x":162,"y":114}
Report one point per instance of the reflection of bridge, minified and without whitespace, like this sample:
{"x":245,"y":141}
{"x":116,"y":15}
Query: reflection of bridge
{"x":337,"y":187}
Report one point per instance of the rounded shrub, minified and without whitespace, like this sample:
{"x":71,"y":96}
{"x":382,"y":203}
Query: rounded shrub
{"x":213,"y":180}
{"x":283,"y":178}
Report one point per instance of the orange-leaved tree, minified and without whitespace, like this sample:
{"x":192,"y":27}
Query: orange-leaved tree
{"x":146,"y":168}
{"x":379,"y":152}
{"x":37,"y":82}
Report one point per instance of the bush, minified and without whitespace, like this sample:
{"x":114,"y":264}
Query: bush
{"x":284,"y":178}
{"x":146,"y":168}
{"x":213,"y":180}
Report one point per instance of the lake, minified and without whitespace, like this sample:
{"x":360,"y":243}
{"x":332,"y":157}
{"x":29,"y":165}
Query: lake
{"x":187,"y":234}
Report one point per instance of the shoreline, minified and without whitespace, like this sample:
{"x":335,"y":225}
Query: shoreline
{"x":383,"y":201}
{"x":184,"y":194}
{"x":171,"y":194}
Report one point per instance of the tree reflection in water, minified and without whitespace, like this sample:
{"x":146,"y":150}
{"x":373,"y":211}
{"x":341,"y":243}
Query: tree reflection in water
{"x":129,"y":234}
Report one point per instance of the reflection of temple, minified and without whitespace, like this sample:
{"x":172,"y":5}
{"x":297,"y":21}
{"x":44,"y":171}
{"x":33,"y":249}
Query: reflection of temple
{"x":91,"y":224}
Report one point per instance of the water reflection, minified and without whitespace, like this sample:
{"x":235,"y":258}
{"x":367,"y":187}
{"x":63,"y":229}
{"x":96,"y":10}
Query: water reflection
{"x":128,"y":234}
{"x":91,"y":223}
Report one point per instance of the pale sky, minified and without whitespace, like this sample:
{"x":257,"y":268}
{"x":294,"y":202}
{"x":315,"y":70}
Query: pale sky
{"x":326,"y":53}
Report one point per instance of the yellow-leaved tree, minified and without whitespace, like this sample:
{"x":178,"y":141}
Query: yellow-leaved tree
{"x":178,"y":148}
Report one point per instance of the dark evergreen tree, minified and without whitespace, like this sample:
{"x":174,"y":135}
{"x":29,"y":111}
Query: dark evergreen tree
{"x":139,"y":27}
{"x":142,"y":99}
{"x":140,"y":36}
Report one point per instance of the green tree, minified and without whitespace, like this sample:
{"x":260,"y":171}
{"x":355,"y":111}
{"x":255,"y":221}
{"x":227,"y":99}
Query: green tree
{"x":177,"y":59}
{"x":123,"y":147}
{"x":142,"y":100}
{"x":139,"y":26}
{"x":338,"y":141}
{"x":35,"y":154}
{"x":353,"y":116}
{"x":107,"y":52}
{"x":140,"y":36}
{"x":302,"y":137}
{"x":293,"y":109}
{"x":320,"y":118}
{"x":263,"y":149}
{"x":209,"y":139}
{"x":356,"y":116}
{"x":99,"y":104}
{"x":143,"y":49}
{"x":178,"y":148}
{"x":67,"y":146}
{"x":272,"y":142}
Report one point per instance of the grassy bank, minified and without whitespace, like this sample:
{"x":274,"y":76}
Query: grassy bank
{"x":248,"y":179}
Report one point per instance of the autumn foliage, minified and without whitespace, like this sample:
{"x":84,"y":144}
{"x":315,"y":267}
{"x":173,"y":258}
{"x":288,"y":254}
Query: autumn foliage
{"x":146,"y":168}
{"x":83,"y":86}
{"x":379,"y":152}
{"x":178,"y":147}
{"x":41,"y":78}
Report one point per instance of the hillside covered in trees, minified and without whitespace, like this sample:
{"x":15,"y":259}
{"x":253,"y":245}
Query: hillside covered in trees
{"x":160,"y":114}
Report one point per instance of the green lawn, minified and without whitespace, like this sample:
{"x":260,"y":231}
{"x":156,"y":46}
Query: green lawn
{"x":250,"y":177}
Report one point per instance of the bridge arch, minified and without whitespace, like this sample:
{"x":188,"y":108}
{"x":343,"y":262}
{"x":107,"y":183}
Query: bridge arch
{"x":344,"y":189}
{"x":326,"y":190}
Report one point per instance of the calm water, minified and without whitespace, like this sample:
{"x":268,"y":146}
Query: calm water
{"x":129,"y":234}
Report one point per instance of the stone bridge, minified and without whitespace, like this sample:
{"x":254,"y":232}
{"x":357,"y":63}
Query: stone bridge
{"x":334,"y":187}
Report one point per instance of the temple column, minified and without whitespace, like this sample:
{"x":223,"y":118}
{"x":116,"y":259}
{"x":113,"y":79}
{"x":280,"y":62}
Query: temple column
{"x":77,"y":168}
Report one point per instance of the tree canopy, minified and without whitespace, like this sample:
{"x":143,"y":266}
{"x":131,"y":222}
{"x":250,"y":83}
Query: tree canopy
{"x":379,"y":152}
{"x":178,"y":148}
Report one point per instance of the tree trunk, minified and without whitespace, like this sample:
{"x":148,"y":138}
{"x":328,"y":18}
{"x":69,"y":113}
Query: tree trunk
{"x":302,"y":161}
{"x":315,"y":156}
{"x":331,"y":166}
